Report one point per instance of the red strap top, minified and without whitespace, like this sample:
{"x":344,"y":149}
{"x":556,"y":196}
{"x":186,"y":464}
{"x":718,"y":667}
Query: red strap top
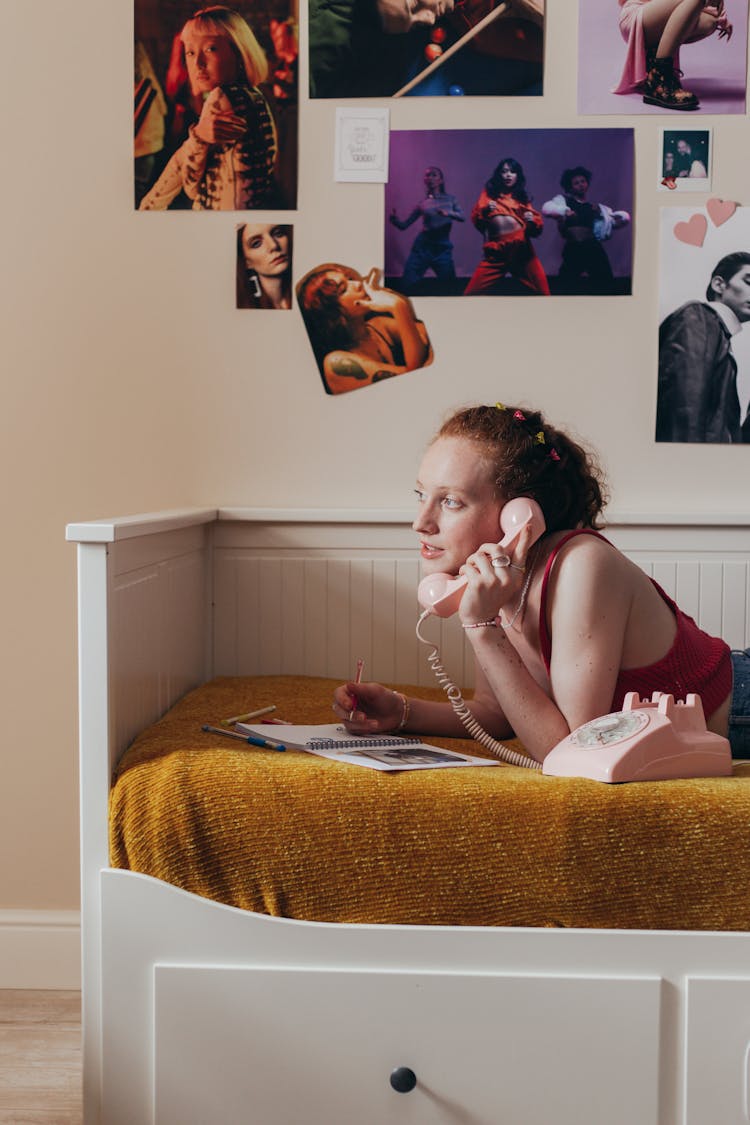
{"x":696,"y":662}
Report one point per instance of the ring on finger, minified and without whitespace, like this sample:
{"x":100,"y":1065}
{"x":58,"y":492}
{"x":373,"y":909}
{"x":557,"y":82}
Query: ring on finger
{"x":514,"y":566}
{"x":501,"y":561}
{"x":351,"y":716}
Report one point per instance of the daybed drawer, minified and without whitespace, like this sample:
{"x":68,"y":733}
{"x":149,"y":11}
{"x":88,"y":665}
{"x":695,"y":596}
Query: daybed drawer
{"x":293,"y":1046}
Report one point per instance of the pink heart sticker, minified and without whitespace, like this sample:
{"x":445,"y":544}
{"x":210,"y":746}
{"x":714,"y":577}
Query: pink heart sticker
{"x":693,"y":231}
{"x":719,"y":210}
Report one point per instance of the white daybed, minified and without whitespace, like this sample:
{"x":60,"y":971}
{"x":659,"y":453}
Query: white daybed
{"x":196,"y":1013}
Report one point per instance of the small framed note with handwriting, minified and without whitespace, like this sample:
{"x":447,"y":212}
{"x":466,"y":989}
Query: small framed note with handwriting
{"x":361,"y":145}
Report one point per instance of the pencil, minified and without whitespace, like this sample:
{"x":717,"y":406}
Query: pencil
{"x":357,"y":680}
{"x":249,"y":715}
{"x":254,"y":740}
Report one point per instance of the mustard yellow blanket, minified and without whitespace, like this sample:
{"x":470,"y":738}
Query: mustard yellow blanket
{"x":299,"y":836}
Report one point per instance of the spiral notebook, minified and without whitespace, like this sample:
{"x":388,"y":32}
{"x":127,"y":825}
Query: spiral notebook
{"x":382,"y":752}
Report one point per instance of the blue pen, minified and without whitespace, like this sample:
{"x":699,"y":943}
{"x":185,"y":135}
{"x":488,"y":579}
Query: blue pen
{"x":254,"y":740}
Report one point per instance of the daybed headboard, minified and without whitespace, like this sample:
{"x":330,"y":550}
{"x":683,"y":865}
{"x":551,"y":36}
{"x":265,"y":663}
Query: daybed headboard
{"x":250,"y":592}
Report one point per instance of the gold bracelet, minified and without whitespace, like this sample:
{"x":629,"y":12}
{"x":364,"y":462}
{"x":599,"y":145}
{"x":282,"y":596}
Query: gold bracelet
{"x":405,"y":716}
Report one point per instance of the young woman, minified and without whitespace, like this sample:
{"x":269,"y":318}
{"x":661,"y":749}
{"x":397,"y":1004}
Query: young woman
{"x":264,"y":266}
{"x":432,"y":249}
{"x":654,"y":31}
{"x":504,"y":216}
{"x":227,"y":161}
{"x":562,"y":628}
{"x":584,"y":226}
{"x":360,"y":332}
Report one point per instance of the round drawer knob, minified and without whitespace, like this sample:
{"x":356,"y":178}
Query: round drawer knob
{"x":403,"y":1079}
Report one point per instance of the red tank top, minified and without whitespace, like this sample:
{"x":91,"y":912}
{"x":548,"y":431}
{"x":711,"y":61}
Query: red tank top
{"x":696,"y":662}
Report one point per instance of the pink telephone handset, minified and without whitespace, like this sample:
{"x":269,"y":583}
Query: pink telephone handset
{"x":441,"y":593}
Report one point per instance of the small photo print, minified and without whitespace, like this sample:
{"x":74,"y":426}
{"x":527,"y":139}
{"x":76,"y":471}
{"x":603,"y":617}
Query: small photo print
{"x":264,"y":265}
{"x":361,"y":333}
{"x":685,"y":160}
{"x":361,"y":145}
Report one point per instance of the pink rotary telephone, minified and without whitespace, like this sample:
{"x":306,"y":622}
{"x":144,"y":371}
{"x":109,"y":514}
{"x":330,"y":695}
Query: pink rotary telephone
{"x":441,"y":593}
{"x":649,"y":740}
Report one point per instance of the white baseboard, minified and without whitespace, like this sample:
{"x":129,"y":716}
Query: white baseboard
{"x":40,"y":949}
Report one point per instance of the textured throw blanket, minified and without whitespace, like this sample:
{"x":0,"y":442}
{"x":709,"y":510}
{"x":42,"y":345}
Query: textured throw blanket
{"x":298,"y":836}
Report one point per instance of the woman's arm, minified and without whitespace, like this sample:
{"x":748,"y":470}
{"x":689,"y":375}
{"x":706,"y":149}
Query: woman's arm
{"x":413,"y":341}
{"x":556,"y":208}
{"x":344,"y":371}
{"x":453,"y":211}
{"x":534,"y":221}
{"x":483,"y":209}
{"x":218,"y":124}
{"x":187,"y":166}
{"x":167,"y":187}
{"x":402,"y":224}
{"x":588,"y":607}
{"x":374,"y":708}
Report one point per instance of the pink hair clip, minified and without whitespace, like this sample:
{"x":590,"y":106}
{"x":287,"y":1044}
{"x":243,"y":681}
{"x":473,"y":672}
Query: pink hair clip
{"x":553,"y":454}
{"x":519,"y":416}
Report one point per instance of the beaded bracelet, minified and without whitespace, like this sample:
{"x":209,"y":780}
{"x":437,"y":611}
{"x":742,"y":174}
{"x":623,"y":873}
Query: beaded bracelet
{"x":405,"y":716}
{"x":481,"y":624}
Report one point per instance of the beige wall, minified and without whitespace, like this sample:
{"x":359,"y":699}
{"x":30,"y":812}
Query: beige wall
{"x":130,"y":382}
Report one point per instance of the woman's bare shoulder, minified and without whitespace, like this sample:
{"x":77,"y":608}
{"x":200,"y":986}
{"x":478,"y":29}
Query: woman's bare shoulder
{"x":592,"y":554}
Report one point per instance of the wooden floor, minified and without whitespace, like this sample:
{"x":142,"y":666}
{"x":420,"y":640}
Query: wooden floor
{"x":40,"y":1058}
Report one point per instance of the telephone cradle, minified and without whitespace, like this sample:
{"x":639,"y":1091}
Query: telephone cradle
{"x":647,"y":741}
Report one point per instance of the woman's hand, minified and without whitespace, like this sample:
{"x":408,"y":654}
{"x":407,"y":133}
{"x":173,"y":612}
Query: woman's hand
{"x":368,"y":708}
{"x":381,"y":300}
{"x":496,"y":576}
{"x":712,"y":18}
{"x":218,"y":123}
{"x":725,"y":28}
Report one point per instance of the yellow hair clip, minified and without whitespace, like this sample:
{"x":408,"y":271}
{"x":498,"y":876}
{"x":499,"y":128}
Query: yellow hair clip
{"x":539,"y":438}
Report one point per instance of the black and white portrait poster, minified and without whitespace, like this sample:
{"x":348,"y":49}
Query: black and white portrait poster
{"x":704,"y":338}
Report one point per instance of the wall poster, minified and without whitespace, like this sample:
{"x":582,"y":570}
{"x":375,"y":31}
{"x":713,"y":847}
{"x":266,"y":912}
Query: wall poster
{"x":424,"y":48}
{"x":215,"y":106}
{"x":618,"y":45}
{"x":360,"y":331}
{"x":510,"y":212}
{"x":704,"y":306}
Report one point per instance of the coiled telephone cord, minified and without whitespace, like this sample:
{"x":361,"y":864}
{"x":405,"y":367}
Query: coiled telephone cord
{"x":458,"y":703}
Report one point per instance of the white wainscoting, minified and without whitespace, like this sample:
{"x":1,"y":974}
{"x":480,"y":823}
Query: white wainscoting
{"x":311,"y":598}
{"x":257,"y":593}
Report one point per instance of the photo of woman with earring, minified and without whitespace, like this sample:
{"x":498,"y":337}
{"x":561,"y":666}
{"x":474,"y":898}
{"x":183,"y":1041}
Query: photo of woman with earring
{"x":264,"y":266}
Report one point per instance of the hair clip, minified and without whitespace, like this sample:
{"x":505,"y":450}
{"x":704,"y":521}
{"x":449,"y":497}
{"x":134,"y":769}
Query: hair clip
{"x":519,"y":416}
{"x":553,"y":454}
{"x":539,"y":438}
{"x":500,"y":406}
